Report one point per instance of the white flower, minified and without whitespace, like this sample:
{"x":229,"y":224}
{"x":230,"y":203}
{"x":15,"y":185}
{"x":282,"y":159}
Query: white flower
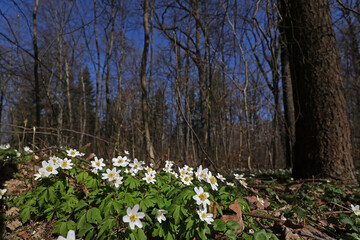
{"x":160,"y":215}
{"x":150,"y":170}
{"x":2,"y":192}
{"x":40,"y":174}
{"x":230,"y":184}
{"x":182,"y":171}
{"x":213,"y":181}
{"x":260,"y":200}
{"x":149,"y":178}
{"x":130,"y":171}
{"x":205,"y":216}
{"x":126,"y":152}
{"x":4,"y":146}
{"x":27,"y":150}
{"x":95,"y":171}
{"x":70,"y":236}
{"x":73,"y":153}
{"x":120,"y":161}
{"x":133,"y":217}
{"x":239,"y":176}
{"x":283,"y":218}
{"x":49,"y":167}
{"x":110,"y":174}
{"x":220,"y":177}
{"x":136,"y":165}
{"x":201,"y":197}
{"x":117,"y":181}
{"x":55,"y":160}
{"x":66,"y":164}
{"x":169,"y":163}
{"x":201,"y":174}
{"x":98,"y":163}
{"x":356,"y":209}
{"x":242,"y":182}
{"x":189,"y":169}
{"x":167,"y":168}
{"x":18,"y":154}
{"x":186,"y":179}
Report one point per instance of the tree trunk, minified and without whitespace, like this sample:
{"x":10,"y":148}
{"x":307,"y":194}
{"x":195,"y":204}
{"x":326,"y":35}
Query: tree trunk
{"x":288,"y":99}
{"x":144,"y":97}
{"x":36,"y":66}
{"x":323,"y":146}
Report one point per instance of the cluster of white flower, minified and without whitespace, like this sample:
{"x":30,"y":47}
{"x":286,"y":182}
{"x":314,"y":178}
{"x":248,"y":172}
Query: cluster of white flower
{"x":50,"y":167}
{"x":241,"y":179}
{"x":149,"y":175}
{"x":5,"y":146}
{"x":202,"y":199}
{"x":113,"y":176}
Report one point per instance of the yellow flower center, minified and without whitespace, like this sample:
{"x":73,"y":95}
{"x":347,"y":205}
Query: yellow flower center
{"x":97,"y":163}
{"x":49,"y":168}
{"x":160,"y":214}
{"x":42,"y":174}
{"x":357,"y":210}
{"x":111,"y":174}
{"x":204,"y":215}
{"x":64,"y":164}
{"x":120,"y":160}
{"x":186,"y":179}
{"x":72,"y":153}
{"x":243,"y":182}
{"x":203,"y":196}
{"x":149,"y":179}
{"x":136,"y":166}
{"x":202,"y":174}
{"x":213,"y":179}
{"x":133,"y":217}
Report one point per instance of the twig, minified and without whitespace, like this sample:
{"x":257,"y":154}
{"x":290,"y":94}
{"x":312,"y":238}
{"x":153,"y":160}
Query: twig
{"x":263,"y":216}
{"x":335,"y":212}
{"x":299,"y":232}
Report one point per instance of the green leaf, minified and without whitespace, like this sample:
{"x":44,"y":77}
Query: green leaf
{"x":107,"y":225}
{"x":175,"y":212}
{"x":93,"y":215}
{"x":139,"y":234}
{"x":263,"y":235}
{"x":230,"y":234}
{"x":234,"y":225}
{"x":25,"y":213}
{"x":219,"y":225}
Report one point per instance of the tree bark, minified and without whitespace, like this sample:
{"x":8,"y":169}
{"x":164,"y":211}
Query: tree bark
{"x":323,"y":146}
{"x":144,"y":96}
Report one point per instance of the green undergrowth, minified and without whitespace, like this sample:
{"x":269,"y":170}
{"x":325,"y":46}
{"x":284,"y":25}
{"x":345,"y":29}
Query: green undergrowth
{"x":86,"y":201}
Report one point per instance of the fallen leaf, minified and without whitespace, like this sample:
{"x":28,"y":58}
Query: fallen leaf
{"x":14,"y":224}
{"x":238,"y":217}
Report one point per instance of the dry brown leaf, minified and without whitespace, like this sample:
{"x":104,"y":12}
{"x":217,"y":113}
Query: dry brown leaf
{"x":253,"y":200}
{"x":14,"y":224}
{"x":289,"y":235}
{"x":238,"y":217}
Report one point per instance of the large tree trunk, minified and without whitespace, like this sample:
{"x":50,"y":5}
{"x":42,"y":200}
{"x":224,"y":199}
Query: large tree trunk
{"x":144,"y":98}
{"x":323,"y":146}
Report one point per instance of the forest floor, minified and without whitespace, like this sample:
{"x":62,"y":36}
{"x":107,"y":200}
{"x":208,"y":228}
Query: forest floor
{"x":303,"y":209}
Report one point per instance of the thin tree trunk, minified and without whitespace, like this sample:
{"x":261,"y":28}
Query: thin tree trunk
{"x":97,"y":100}
{"x":36,"y":66}
{"x":107,"y":79}
{"x":144,"y":98}
{"x":288,"y":99}
{"x":68,"y":95}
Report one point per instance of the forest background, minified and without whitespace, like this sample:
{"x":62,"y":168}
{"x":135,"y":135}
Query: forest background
{"x":213,"y":90}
